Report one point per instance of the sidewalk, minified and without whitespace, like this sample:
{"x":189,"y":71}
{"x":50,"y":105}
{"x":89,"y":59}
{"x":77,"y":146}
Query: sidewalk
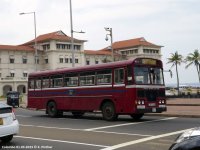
{"x":182,"y":107}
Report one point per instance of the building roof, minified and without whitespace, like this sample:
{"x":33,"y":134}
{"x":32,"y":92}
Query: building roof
{"x":16,"y":48}
{"x":132,"y":43}
{"x":58,"y":35}
{"x":99,"y":52}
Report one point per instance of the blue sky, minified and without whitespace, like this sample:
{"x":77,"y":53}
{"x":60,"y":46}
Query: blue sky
{"x":173,"y":24}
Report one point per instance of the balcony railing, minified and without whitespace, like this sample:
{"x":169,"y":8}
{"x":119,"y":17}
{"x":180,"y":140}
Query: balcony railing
{"x":14,"y":79}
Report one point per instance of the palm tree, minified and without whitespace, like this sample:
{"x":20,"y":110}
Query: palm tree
{"x":194,"y":58}
{"x":176,"y":60}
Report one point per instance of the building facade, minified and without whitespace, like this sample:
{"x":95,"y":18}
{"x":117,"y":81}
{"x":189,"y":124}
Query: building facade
{"x":54,"y":51}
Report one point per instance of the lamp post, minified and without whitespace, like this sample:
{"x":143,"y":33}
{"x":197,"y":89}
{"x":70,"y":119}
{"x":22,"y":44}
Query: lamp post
{"x":72,"y":36}
{"x":111,"y":40}
{"x":35,"y":45}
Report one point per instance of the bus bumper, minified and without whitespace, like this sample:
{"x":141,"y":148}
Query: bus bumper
{"x":151,"y":110}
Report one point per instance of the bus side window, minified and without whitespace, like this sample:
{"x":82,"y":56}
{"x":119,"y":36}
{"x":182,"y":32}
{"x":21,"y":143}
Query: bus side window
{"x":31,"y":84}
{"x":45,"y":82}
{"x":87,"y":78}
{"x":38,"y":84}
{"x":71,"y":80}
{"x":104,"y":77}
{"x":119,"y":76}
{"x":57,"y":81}
{"x":129,"y":75}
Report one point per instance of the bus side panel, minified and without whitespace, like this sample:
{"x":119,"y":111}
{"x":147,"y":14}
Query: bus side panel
{"x":125,"y":102}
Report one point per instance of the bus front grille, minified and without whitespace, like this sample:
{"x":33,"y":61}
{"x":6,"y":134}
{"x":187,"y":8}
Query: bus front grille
{"x":151,"y":95}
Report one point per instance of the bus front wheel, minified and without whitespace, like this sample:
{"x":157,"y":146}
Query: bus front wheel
{"x":137,"y":116}
{"x":108,"y":111}
{"x":52,"y":109}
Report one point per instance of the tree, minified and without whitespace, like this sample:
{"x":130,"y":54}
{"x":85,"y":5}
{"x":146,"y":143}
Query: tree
{"x":176,"y":60}
{"x":194,"y":58}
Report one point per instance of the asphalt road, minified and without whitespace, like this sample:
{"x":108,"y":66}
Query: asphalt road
{"x":38,"y":131}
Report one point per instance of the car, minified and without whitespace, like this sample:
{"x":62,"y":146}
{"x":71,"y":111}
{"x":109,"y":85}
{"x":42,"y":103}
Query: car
{"x":9,"y":124}
{"x":189,"y":140}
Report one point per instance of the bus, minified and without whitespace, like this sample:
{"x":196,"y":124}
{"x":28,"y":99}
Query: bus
{"x":131,"y":87}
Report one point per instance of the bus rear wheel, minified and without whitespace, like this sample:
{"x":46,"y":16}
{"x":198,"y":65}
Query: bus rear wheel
{"x":108,"y":111}
{"x":77,"y":114}
{"x":137,"y":116}
{"x":52,"y":109}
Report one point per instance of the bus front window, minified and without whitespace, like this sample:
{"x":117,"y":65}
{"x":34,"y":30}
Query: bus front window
{"x":145,"y":75}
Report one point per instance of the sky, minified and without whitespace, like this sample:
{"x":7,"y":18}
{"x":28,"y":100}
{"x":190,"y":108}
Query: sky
{"x":173,"y":24}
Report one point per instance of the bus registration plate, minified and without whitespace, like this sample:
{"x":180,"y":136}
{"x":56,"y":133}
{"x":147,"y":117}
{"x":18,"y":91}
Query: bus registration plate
{"x":153,"y":109}
{"x":1,"y":121}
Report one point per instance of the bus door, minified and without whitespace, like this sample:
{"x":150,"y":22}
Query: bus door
{"x":119,"y":91}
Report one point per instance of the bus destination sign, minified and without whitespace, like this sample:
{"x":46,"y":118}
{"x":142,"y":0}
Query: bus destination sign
{"x":148,"y":61}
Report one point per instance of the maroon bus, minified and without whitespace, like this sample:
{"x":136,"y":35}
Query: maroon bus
{"x":132,"y":87}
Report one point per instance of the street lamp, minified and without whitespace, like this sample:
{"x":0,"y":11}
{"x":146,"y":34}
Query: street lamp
{"x":72,"y":36}
{"x":36,"y":53}
{"x":111,"y":40}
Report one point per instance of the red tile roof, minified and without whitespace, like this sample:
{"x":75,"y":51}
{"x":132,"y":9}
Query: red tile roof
{"x":132,"y":43}
{"x":58,"y":35}
{"x":94,"y":52}
{"x":16,"y":48}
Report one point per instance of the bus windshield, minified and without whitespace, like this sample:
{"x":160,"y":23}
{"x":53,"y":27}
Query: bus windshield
{"x":147,"y":75}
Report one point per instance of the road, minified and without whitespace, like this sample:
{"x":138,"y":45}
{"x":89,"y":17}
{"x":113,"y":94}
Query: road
{"x":38,"y":131}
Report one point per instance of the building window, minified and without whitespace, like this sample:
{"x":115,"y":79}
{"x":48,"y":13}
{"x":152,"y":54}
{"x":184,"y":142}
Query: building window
{"x":12,"y":74}
{"x":68,"y":46}
{"x":25,"y":74}
{"x":12,"y":59}
{"x":46,"y":46}
{"x":87,"y":62}
{"x":37,"y":61}
{"x":24,"y":60}
{"x":66,"y":60}
{"x":58,"y":46}
{"x":70,"y":60}
{"x":96,"y":61}
{"x":77,"y":47}
{"x":46,"y":60}
{"x":0,"y":74}
{"x":0,"y":60}
{"x":61,"y":60}
{"x":76,"y":60}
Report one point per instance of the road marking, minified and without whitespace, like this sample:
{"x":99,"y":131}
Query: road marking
{"x":126,"y":124}
{"x":24,"y":116}
{"x":121,"y":133}
{"x":83,"y":130}
{"x":143,"y":140}
{"x":52,"y":140}
{"x":23,"y":125}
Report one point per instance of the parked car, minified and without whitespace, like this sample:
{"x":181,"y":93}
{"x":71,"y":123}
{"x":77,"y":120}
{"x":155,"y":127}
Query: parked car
{"x":13,"y":98}
{"x":9,"y":125}
{"x":189,"y":140}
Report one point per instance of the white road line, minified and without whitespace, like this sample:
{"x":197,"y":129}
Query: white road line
{"x":126,"y":124}
{"x":24,"y":116}
{"x":121,"y":133}
{"x":52,"y":140}
{"x":143,"y":140}
{"x":23,"y":125}
{"x":82,"y":130}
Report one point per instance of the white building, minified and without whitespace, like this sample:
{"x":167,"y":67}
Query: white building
{"x":54,"y":51}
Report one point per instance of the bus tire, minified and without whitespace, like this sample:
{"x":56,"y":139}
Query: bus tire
{"x":108,"y":111}
{"x":52,"y":109}
{"x":77,"y":114}
{"x":137,"y":116}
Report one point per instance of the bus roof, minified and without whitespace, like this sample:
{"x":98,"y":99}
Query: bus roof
{"x":84,"y":68}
